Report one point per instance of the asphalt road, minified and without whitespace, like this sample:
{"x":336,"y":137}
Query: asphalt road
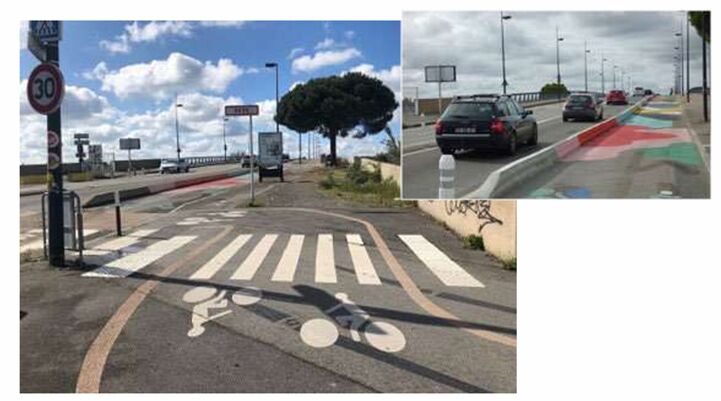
{"x":268,"y":341}
{"x":30,"y":204}
{"x":420,"y":167}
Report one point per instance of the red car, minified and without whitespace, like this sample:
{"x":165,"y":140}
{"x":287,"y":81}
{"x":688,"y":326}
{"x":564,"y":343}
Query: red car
{"x":616,"y":97}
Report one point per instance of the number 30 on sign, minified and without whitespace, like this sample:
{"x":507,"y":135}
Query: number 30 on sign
{"x":46,"y":88}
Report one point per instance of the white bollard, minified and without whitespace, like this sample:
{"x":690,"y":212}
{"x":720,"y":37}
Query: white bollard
{"x":447,"y":169}
{"x":423,"y":120}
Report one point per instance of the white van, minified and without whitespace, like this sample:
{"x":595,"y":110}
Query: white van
{"x":638,"y":91}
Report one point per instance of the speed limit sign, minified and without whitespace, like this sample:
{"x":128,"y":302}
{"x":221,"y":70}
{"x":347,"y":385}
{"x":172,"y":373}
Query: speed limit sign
{"x":46,"y":88}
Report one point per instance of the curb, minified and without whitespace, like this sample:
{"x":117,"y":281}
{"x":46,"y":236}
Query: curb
{"x":31,"y":192}
{"x":502,"y":180}
{"x":106,"y":198}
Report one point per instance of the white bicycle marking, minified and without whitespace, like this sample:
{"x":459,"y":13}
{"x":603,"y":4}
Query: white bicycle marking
{"x":321,"y":333}
{"x":206,"y":299}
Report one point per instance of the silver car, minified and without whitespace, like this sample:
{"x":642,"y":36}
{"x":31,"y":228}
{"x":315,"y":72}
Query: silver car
{"x":173,"y":166}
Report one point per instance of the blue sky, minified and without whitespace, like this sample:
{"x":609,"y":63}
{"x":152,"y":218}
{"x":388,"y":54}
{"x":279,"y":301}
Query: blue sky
{"x":121,"y":78}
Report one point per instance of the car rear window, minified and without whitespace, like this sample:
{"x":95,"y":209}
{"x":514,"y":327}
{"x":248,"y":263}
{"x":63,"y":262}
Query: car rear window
{"x":616,"y":92}
{"x":579,"y":99}
{"x":469,"y":110}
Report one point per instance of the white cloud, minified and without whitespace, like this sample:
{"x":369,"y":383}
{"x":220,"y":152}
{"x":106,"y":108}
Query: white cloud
{"x":390,"y":77}
{"x":158,"y":79}
{"x":324,"y":59}
{"x":223,"y":24}
{"x":294,"y":52}
{"x":326,"y":43}
{"x":149,"y":32}
{"x":294,"y":84}
{"x":349,"y":34}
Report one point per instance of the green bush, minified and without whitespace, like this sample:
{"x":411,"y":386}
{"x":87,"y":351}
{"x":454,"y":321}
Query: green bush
{"x":474,"y":242}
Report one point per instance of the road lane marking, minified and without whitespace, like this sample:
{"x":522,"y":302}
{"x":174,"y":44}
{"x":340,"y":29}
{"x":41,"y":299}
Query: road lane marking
{"x":448,"y":271}
{"x":91,"y":371}
{"x":130,"y":264}
{"x":209,"y":269}
{"x":118,"y":243}
{"x":250,"y":265}
{"x":289,"y":261}
{"x":39,"y":243}
{"x":324,"y":260}
{"x":364,"y":270}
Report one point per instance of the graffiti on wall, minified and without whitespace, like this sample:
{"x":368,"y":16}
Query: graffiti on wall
{"x":481,"y":209}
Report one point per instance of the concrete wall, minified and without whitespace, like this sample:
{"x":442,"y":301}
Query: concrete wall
{"x":387,"y":170}
{"x":494,"y":220}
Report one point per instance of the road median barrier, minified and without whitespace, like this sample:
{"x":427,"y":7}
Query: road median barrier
{"x":502,"y":180}
{"x":108,"y":197}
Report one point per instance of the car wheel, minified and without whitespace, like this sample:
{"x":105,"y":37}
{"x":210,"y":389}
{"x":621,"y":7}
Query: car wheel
{"x":565,"y":119}
{"x":512,"y":143}
{"x":533,"y":141}
{"x":447,"y":150}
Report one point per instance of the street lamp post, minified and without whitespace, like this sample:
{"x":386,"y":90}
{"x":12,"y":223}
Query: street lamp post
{"x":680,"y":36}
{"x":603,"y":77}
{"x":688,"y":56}
{"x":503,"y":51}
{"x":225,"y":145}
{"x":585,"y":65}
{"x":177,"y":133}
{"x":277,"y":126}
{"x":558,"y":63}
{"x":614,"y":76}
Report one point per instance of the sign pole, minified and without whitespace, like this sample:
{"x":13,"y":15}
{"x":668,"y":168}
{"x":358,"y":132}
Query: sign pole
{"x":55,"y":184}
{"x":252,"y":175}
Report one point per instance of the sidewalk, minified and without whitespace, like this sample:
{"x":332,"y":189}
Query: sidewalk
{"x":693,"y":113}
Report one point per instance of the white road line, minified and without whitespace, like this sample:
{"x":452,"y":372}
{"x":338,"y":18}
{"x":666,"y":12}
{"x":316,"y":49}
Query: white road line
{"x":250,"y":265}
{"x":364,"y":270}
{"x":39,"y":243}
{"x":122,"y":242}
{"x":130,"y":264}
{"x":441,"y":265}
{"x":324,"y":260}
{"x":289,"y":261}
{"x":213,"y":265}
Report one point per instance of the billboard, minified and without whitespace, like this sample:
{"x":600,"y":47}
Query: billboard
{"x":270,"y":149}
{"x":441,"y":73}
{"x":242,"y":110}
{"x":129,"y":143}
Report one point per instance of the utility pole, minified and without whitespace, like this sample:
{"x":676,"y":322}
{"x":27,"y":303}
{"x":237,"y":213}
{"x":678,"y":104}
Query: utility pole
{"x":503,"y":51}
{"x":680,"y":55}
{"x":558,"y":62}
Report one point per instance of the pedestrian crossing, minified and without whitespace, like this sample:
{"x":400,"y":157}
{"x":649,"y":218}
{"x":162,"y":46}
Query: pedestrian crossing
{"x":246,"y":255}
{"x":38,"y":244}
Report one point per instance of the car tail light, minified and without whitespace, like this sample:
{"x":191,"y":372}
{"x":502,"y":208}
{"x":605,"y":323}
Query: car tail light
{"x":439,"y":128}
{"x":497,"y":127}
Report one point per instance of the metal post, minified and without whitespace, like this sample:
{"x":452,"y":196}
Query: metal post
{"x":225,"y":145}
{"x":585,"y":65}
{"x":440,"y":106}
{"x":688,"y":69}
{"x":55,"y":186}
{"x":177,"y":134}
{"x":706,"y":15}
{"x":603,"y":78}
{"x":118,"y":225}
{"x":130,"y":163}
{"x":503,"y":53}
{"x":252,"y":174}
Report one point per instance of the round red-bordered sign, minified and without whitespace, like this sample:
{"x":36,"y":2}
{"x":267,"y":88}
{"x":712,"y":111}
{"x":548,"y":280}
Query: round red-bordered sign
{"x":46,"y":88}
{"x":53,"y":139}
